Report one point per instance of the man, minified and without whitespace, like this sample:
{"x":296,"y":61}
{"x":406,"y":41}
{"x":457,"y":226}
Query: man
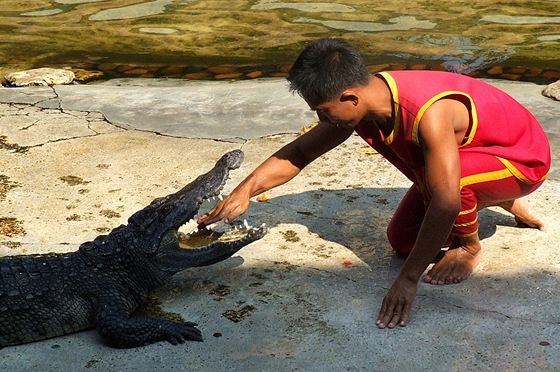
{"x":464,"y":144}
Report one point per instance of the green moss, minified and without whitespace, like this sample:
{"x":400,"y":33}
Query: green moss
{"x":219,"y":32}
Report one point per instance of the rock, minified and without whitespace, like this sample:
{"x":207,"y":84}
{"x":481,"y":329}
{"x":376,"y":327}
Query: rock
{"x":84,"y":76}
{"x":198,"y":75}
{"x":552,"y":91}
{"x":510,"y":76}
{"x":125,"y":68}
{"x":496,"y":70}
{"x":517,"y":70}
{"x":136,"y":71}
{"x":222,"y":70}
{"x":233,"y":75}
{"x":39,"y":77}
{"x":254,"y":74}
{"x":172,"y":70}
{"x":285,"y":68}
{"x":533,"y":72}
{"x":107,"y":66}
{"x":551,"y":74}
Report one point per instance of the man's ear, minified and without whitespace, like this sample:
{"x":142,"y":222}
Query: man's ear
{"x":350,"y":95}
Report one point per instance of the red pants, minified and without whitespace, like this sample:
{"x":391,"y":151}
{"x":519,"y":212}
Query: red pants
{"x":485,"y":181}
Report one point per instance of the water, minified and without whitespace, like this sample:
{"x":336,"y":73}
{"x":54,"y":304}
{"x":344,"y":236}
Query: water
{"x":178,"y":38}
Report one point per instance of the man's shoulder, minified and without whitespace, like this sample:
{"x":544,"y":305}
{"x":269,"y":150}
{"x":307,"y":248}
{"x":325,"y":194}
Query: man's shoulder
{"x":429,"y":83}
{"x":425,"y":73}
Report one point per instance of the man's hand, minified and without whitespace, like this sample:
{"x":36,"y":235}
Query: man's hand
{"x":278,"y":169}
{"x":227,"y":210}
{"x":397,"y":303}
{"x":441,"y":128}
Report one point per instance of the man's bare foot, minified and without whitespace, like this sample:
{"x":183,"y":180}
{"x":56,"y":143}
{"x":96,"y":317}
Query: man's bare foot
{"x":457,"y":264}
{"x":523,"y":216}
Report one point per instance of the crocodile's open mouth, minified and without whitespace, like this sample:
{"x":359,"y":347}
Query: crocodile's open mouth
{"x":227,"y":234}
{"x":209,"y":187}
{"x":170,"y":223}
{"x":218,"y":233}
{"x":207,"y":236}
{"x":202,"y":247}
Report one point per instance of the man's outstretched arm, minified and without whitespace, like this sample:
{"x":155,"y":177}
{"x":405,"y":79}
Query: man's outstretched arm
{"x":278,"y":169}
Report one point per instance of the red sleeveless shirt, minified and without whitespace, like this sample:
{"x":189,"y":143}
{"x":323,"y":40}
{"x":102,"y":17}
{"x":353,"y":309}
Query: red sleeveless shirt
{"x":499,"y":125}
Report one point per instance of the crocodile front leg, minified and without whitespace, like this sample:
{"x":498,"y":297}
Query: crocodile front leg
{"x":118,"y":329}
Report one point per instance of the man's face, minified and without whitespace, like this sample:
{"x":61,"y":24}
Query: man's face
{"x":340,"y":112}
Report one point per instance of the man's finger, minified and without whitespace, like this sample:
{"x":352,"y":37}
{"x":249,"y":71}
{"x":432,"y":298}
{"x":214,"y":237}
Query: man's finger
{"x":400,"y":317}
{"x":382,"y":311}
{"x":387,"y":320}
{"x":394,"y":320}
{"x":385,"y":314}
{"x":407,"y":310}
{"x":405,"y":317}
{"x":208,"y":219}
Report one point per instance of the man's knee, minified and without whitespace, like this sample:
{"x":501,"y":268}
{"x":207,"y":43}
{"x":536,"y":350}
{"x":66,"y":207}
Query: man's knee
{"x":400,"y":242}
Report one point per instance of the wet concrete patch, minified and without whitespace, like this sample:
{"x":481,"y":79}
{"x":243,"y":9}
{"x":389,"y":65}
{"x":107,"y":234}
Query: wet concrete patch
{"x":73,"y":180}
{"x":397,"y":23}
{"x":11,"y":227}
{"x":519,"y":20}
{"x":6,"y":185}
{"x":145,"y":9}
{"x":237,"y":315}
{"x":312,"y":7}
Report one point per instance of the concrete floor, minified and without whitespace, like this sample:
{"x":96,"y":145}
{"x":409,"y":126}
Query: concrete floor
{"x":76,"y":161}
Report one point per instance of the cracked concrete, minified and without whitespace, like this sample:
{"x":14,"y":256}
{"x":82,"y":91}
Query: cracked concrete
{"x":76,"y":161}
{"x":31,"y":128}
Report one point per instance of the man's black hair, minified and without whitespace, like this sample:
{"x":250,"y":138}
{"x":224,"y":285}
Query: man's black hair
{"x":325,"y":68}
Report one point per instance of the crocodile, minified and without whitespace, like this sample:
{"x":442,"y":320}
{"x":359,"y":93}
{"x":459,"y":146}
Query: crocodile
{"x":105,"y":280}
